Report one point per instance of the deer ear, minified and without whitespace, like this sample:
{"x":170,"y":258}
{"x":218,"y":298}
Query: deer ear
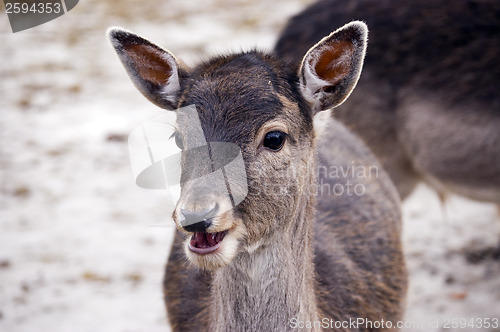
{"x":154,"y":71}
{"x":331,"y":68}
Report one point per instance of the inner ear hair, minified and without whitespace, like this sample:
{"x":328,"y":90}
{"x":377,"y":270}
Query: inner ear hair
{"x":155,"y":72}
{"x":331,"y":68}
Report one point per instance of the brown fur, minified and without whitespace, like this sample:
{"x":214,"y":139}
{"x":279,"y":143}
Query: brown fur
{"x":427,"y":103}
{"x":299,"y":253}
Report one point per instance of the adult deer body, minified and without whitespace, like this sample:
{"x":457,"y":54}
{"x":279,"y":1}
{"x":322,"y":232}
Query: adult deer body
{"x":428,"y":103}
{"x":289,"y":254}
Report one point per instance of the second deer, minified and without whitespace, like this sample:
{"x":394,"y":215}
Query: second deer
{"x":428,"y":103}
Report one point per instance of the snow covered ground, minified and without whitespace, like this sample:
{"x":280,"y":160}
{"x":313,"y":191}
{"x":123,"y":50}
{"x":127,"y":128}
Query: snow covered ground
{"x":83,"y":249}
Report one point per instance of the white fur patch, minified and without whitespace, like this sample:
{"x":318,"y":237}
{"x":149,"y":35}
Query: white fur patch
{"x":321,"y":120}
{"x":313,"y":81}
{"x":173,"y":86}
{"x":251,"y":248}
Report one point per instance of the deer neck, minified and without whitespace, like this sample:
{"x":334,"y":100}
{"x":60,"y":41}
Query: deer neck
{"x":265,"y":290}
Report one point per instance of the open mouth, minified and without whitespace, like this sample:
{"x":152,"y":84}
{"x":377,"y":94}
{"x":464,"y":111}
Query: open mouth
{"x":204,"y":243}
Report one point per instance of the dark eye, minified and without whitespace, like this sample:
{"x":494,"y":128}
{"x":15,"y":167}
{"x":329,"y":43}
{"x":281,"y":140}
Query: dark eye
{"x":274,"y":140}
{"x":178,"y":140}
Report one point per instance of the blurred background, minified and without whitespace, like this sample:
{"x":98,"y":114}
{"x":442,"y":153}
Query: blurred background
{"x":83,"y":249}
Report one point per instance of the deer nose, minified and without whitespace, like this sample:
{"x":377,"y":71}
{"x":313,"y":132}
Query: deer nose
{"x":198,"y":221}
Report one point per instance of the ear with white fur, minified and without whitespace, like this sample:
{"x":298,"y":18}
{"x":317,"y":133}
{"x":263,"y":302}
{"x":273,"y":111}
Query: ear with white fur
{"x":331,"y":68}
{"x":154,"y":71}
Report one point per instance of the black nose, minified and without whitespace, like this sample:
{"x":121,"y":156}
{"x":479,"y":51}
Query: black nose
{"x":198,"y":221}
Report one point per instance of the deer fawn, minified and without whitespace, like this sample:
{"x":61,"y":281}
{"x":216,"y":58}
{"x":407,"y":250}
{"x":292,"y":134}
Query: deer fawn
{"x":428,"y":103}
{"x":293,"y":253}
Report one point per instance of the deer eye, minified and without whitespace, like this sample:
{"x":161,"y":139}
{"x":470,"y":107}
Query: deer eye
{"x":178,"y":140}
{"x":274,"y":140}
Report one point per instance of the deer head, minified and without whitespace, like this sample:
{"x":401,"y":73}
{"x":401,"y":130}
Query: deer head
{"x":253,"y":102}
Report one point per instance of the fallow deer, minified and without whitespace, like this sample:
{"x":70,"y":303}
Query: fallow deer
{"x":295,"y":252}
